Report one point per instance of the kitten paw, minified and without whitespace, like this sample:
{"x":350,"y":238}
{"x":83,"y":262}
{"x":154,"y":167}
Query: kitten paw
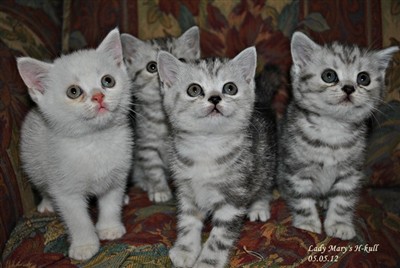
{"x":159,"y":197}
{"x":259,"y":211}
{"x":311,"y":226}
{"x":181,"y":257}
{"x":323,"y":204}
{"x":111,"y":233}
{"x":126,"y":199}
{"x":45,"y":206}
{"x":343,"y":231}
{"x":83,"y":252}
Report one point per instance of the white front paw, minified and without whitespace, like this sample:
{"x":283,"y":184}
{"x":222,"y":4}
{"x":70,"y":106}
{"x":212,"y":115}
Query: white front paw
{"x":182,"y":258}
{"x":111,"y":233}
{"x":340,"y":230}
{"x":261,"y":215}
{"x":259,"y":210}
{"x":83,"y":252}
{"x":160,"y":196}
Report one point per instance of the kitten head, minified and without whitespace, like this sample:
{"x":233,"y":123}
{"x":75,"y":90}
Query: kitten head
{"x":140,"y":58}
{"x":82,"y":91}
{"x":345,"y":82}
{"x":210,"y":95}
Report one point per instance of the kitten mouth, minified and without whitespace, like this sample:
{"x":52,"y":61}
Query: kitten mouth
{"x":101,"y":109}
{"x":346,"y":100}
{"x":214,"y":112}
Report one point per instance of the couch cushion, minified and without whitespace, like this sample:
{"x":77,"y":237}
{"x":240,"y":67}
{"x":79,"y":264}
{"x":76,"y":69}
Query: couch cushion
{"x":151,"y":230}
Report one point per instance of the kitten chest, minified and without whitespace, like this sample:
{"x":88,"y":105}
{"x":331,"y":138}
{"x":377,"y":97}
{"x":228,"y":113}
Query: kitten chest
{"x":204,"y":175}
{"x":327,"y":142}
{"x":93,"y":162}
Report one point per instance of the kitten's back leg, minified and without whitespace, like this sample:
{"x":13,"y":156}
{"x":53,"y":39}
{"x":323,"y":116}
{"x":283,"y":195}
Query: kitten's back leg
{"x":45,"y":205}
{"x":155,"y":177}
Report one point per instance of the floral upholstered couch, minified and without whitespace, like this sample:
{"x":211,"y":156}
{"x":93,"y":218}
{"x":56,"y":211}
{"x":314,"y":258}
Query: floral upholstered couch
{"x":44,"y":29}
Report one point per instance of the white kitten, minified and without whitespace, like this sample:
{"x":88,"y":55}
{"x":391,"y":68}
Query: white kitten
{"x":77,"y":142}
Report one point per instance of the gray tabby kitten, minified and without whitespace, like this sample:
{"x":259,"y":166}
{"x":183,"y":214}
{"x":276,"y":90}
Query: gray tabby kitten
{"x":222,"y":153}
{"x":150,"y":164}
{"x":77,"y":142}
{"x":323,"y":139}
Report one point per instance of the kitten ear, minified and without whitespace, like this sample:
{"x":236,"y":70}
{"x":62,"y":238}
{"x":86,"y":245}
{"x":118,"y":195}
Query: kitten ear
{"x":34,"y":74}
{"x":130,"y":46}
{"x":191,"y":41}
{"x":385,"y":55}
{"x":302,"y":48}
{"x":112,"y":45}
{"x":168,"y":67}
{"x":247,"y":62}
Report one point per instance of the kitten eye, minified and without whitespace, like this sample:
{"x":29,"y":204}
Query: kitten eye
{"x":329,"y":76}
{"x":108,"y":81}
{"x":363,"y":79}
{"x":151,"y":67}
{"x":230,"y":89}
{"x":182,"y":60}
{"x":74,"y":92}
{"x":194,"y":90}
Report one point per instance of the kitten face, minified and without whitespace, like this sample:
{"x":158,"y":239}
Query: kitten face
{"x":212,"y":95}
{"x":87,"y":88}
{"x":342,"y":81}
{"x":141,"y":56}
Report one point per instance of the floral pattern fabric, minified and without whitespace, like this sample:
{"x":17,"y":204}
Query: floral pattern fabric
{"x":41,"y":240}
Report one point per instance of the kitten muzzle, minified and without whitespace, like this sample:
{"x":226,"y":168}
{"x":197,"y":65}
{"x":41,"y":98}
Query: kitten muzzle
{"x":347,"y":98}
{"x":99,"y":98}
{"x":348,"y":89}
{"x":214,"y":111}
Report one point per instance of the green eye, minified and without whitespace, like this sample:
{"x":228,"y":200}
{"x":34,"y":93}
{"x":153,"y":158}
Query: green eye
{"x":363,"y":79}
{"x":230,"y":89}
{"x":108,"y":81}
{"x":151,"y":67}
{"x":194,"y":90}
{"x":329,"y":76}
{"x":74,"y":91}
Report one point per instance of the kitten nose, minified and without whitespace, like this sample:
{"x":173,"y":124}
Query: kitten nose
{"x":214,"y":99}
{"x":348,"y":89}
{"x":98,"y":97}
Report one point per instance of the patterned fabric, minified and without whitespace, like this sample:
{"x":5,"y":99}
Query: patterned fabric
{"x":20,"y":34}
{"x":42,"y":29}
{"x":151,"y":230}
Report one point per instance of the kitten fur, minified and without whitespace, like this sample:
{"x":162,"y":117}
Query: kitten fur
{"x":222,"y":153}
{"x":150,"y":170}
{"x":73,"y":148}
{"x":323,"y":134}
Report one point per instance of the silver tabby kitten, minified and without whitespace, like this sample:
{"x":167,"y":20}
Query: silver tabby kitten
{"x":150,"y":164}
{"x":222,"y":153}
{"x":335,"y":88}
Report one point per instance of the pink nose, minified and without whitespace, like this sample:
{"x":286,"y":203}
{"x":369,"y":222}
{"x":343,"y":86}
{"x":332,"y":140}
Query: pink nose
{"x":98,"y":97}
